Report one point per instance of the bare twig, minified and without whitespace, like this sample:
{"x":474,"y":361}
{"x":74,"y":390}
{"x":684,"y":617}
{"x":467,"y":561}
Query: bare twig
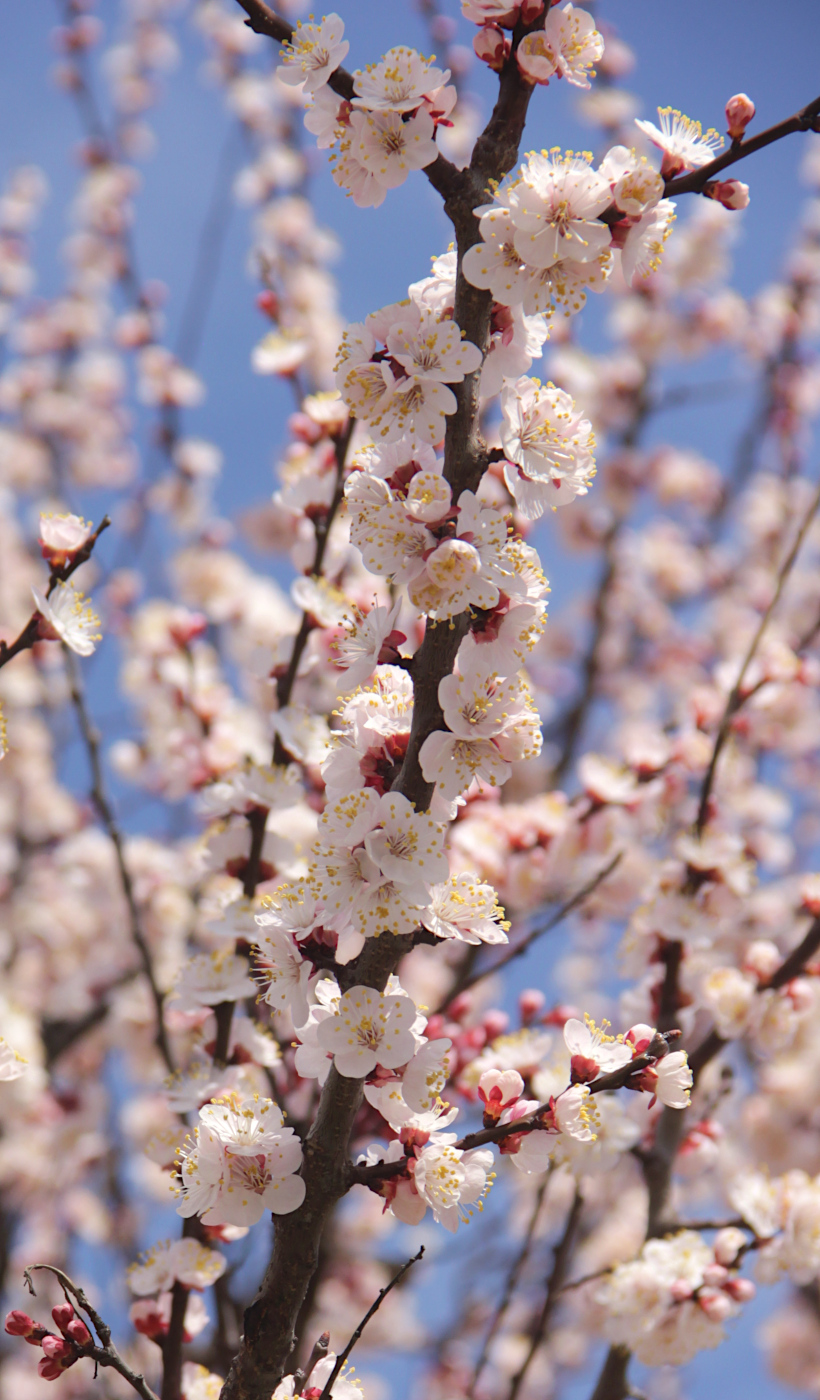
{"x":91,"y":739}
{"x":510,"y":1285}
{"x":737,"y":697}
{"x":371,"y":1311}
{"x":106,"y":1354}
{"x":560,"y":1265}
{"x":612,"y":1382}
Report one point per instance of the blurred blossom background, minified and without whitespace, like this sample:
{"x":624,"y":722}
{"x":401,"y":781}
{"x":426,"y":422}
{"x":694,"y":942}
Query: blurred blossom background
{"x":191,"y":237}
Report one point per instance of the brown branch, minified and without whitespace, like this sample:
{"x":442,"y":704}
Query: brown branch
{"x":807,"y":119}
{"x":794,"y":964}
{"x":91,"y":740}
{"x":30,"y":633}
{"x":106,"y":1354}
{"x":560,"y":1265}
{"x":737,"y":698}
{"x":464,"y":983}
{"x":612,"y":1383}
{"x":371,"y":1311}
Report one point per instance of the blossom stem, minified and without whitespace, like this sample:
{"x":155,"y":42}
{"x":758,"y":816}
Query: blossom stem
{"x":612,"y":1383}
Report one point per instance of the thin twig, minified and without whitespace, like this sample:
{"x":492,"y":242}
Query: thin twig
{"x":518,"y":950}
{"x":510,"y":1285}
{"x":106,"y":1354}
{"x":371,"y":1311}
{"x":91,"y":739}
{"x":736,"y":697}
{"x":560,"y":1265}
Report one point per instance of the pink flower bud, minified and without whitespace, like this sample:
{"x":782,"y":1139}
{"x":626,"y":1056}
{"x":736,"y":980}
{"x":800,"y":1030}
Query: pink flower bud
{"x":715,"y":1304}
{"x":495,"y":1023}
{"x":640,"y":1038}
{"x":732,"y":194}
{"x":79,"y":1333}
{"x":62,"y":537}
{"x":715,"y":1275}
{"x":530,"y":1003}
{"x":492,"y":46}
{"x":739,"y":112}
{"x":460,"y":1006}
{"x":19,"y":1324}
{"x":531,"y":9}
{"x":680,"y":1290}
{"x":49,"y":1370}
{"x":63,"y":1314}
{"x":727,"y":1244}
{"x":498,"y":1089}
{"x":57,"y":1348}
{"x":741,"y":1289}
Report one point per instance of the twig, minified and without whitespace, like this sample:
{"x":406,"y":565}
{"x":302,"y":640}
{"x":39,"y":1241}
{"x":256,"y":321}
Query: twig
{"x":106,"y":1354}
{"x":91,"y":739}
{"x":371,"y":1311}
{"x":736,"y":697}
{"x":807,"y":119}
{"x":518,"y":950}
{"x":560,"y":1265}
{"x":208,"y":254}
{"x":285,"y":683}
{"x":510,"y":1285}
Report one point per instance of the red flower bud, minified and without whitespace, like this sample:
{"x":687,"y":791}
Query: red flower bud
{"x":63,"y":1314}
{"x":19,"y":1324}
{"x":49,"y":1370}
{"x":57,"y":1348}
{"x":492,"y":46}
{"x":79,"y":1333}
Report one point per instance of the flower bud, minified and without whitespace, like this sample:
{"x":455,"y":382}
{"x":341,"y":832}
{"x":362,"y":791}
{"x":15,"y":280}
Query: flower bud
{"x":49,"y":1370}
{"x":62,"y":537}
{"x":715,"y":1304}
{"x":728,"y":1243}
{"x":498,"y":1089}
{"x":530,"y":1003}
{"x":460,"y":1006}
{"x":741,"y":1289}
{"x":492,"y":46}
{"x":495,"y":1023}
{"x":19,"y":1324}
{"x":640,"y":1037}
{"x":739,"y":112}
{"x":79,"y":1333}
{"x":680,"y":1290}
{"x":63,"y":1314}
{"x":715,"y":1275}
{"x":57,"y":1348}
{"x":531,"y":9}
{"x":732,"y":194}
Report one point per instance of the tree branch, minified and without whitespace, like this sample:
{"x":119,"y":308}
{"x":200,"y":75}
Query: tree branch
{"x":807,"y":119}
